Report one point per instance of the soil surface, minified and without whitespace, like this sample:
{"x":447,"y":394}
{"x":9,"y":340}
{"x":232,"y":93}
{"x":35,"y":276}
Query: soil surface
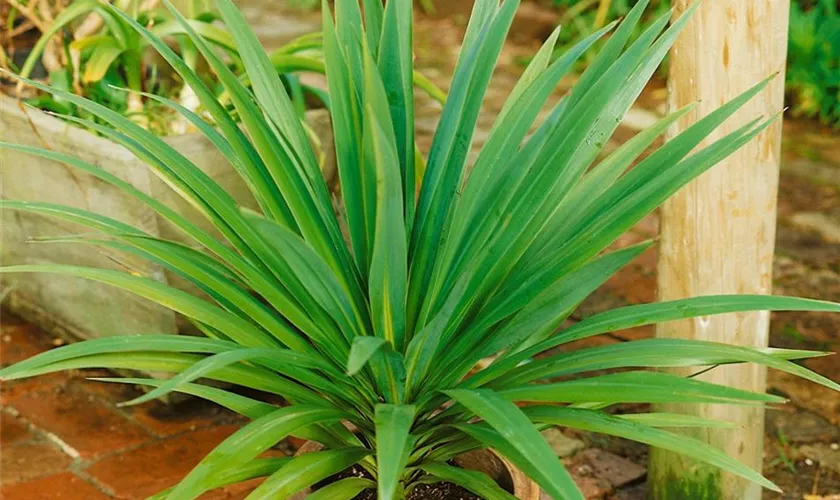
{"x":441,"y":491}
{"x":437,"y":491}
{"x":355,"y":471}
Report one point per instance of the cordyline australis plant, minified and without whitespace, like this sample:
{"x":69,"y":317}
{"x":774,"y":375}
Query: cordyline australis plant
{"x":384,"y":332}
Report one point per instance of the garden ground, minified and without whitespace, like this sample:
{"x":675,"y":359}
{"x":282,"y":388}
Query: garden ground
{"x":64,"y":437}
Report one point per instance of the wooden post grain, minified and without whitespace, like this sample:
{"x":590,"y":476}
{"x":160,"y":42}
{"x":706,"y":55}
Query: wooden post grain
{"x":718,"y":232}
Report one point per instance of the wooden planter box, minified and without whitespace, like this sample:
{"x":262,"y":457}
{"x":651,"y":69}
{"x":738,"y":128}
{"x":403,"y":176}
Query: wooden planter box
{"x":77,"y":308}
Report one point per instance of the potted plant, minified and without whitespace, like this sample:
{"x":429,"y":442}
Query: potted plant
{"x":105,"y":60}
{"x":374,"y":342}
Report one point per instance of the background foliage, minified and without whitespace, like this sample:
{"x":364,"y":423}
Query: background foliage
{"x":813,"y":71}
{"x":813,"y":77}
{"x":73,"y":49}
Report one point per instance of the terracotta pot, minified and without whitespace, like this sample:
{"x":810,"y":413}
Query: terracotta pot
{"x":486,"y":461}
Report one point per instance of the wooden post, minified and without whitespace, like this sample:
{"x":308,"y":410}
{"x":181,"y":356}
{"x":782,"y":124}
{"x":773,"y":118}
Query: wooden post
{"x":718,"y":232}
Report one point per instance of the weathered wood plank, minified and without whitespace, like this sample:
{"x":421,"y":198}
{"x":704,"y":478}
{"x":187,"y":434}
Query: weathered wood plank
{"x":718,"y":232}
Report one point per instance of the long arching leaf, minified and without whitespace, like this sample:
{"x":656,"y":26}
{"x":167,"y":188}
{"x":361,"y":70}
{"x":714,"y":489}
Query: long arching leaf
{"x":233,"y":326}
{"x":520,"y":434}
{"x":646,"y":314}
{"x":636,"y":387}
{"x":659,"y":353}
{"x":606,"y":424}
{"x":344,"y":489}
{"x":306,"y":470}
{"x":394,"y":444}
{"x":245,"y":444}
{"x":258,"y":468}
{"x":122,"y":343}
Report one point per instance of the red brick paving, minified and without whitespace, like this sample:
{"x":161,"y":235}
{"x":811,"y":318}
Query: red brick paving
{"x":13,"y":430}
{"x":10,"y":391}
{"x":636,"y":282}
{"x":159,"y":419}
{"x":17,"y":342}
{"x":637,"y":333}
{"x":156,"y":465}
{"x":597,"y":341}
{"x":25,"y":461}
{"x":62,"y":436}
{"x":232,"y":492}
{"x":75,"y":416}
{"x":163,"y":420}
{"x":109,"y":392}
{"x":63,"y":486}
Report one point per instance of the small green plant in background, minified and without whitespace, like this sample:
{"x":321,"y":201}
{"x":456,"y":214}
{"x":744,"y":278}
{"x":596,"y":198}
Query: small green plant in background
{"x":813,"y":63}
{"x":784,"y":449}
{"x":581,"y":18}
{"x":428,"y":6}
{"x":108,"y":62}
{"x":106,"y":59}
{"x":813,"y":73}
{"x":381,"y":333}
{"x":303,"y":4}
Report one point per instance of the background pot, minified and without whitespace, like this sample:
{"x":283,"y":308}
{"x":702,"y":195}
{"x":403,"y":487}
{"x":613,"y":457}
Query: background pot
{"x":486,"y":461}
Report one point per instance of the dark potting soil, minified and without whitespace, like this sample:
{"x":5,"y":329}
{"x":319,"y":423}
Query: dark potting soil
{"x":437,"y":491}
{"x":442,"y":491}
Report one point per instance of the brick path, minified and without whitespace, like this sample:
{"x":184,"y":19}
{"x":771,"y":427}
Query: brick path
{"x":63,"y":437}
